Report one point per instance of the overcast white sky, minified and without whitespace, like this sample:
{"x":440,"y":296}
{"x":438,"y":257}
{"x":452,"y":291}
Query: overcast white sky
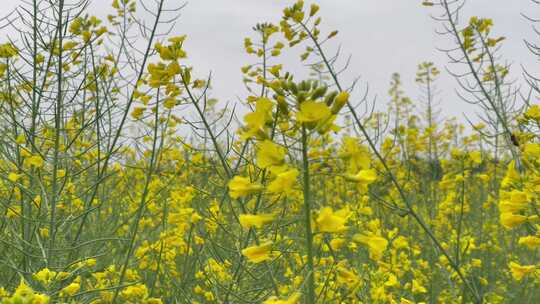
{"x":383,"y":37}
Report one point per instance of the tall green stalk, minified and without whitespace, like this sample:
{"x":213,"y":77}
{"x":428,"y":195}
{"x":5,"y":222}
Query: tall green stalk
{"x":310,"y":286}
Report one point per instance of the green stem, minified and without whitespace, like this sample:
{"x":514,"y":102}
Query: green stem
{"x":146,"y":192}
{"x":307,"y":218}
{"x":57,"y":127}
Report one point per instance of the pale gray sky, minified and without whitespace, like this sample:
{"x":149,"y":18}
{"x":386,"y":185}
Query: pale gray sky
{"x":383,"y":36}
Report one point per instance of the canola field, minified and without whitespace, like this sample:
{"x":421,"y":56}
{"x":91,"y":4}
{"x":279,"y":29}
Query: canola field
{"x":123,"y":180}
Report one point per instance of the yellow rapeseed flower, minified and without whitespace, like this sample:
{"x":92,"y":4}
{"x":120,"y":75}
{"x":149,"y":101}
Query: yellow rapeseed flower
{"x":12,"y":176}
{"x":241,"y":186}
{"x":417,"y":287}
{"x":520,"y":271}
{"x":70,"y":290}
{"x":365,"y":176}
{"x":13,"y":212}
{"x":508,"y":206}
{"x":137,"y":113}
{"x":530,"y":241}
{"x":258,"y":254}
{"x":533,"y":112}
{"x":291,"y":300}
{"x":284,"y":182}
{"x":35,"y":161}
{"x":270,"y":154}
{"x":346,"y":276}
{"x":255,"y":220}
{"x":330,"y":221}
{"x":376,"y":245}
{"x":313,"y":112}
{"x":45,"y":276}
{"x":510,"y":220}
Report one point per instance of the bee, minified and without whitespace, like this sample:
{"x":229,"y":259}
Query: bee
{"x":514,"y":139}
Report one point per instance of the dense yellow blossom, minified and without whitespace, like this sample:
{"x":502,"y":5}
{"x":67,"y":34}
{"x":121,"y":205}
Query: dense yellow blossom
{"x":255,"y":220}
{"x":330,"y":221}
{"x":241,"y":186}
{"x":520,"y":271}
{"x":258,"y":253}
{"x":376,"y":245}
{"x":312,"y":112}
